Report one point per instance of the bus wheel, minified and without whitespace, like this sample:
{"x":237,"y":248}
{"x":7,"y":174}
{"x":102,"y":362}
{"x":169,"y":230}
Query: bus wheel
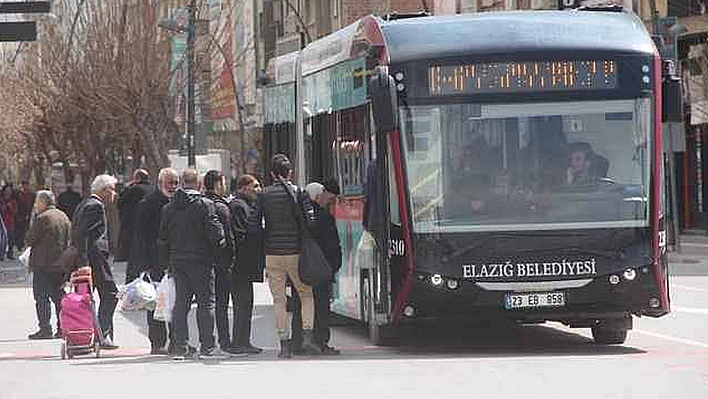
{"x":608,"y":335}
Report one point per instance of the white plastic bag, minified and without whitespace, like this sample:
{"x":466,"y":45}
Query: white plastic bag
{"x":138,"y":295}
{"x":25,"y":257}
{"x":165,"y":299}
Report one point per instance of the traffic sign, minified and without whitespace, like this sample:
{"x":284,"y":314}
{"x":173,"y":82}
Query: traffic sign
{"x":18,"y":31}
{"x":25,"y":7}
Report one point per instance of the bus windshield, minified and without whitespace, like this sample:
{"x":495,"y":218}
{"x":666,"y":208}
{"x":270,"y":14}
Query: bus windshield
{"x":527,"y":166}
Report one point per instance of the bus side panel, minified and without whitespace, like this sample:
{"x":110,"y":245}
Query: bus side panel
{"x":357,"y":254}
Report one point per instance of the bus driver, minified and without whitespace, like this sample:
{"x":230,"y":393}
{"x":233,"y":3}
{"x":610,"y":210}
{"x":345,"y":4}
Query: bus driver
{"x":584,"y":165}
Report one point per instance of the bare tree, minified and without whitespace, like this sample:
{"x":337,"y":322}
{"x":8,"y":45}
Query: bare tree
{"x":100,"y":90}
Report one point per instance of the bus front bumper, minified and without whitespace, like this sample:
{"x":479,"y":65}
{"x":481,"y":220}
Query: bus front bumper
{"x":595,"y":299}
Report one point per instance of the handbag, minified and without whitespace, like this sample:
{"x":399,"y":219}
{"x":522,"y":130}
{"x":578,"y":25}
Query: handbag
{"x":139,"y":294}
{"x":25,"y":257}
{"x":313,"y":267}
{"x":165,"y":299}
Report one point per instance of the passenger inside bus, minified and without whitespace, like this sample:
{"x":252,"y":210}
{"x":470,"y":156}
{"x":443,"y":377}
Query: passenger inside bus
{"x":585,"y":166}
{"x":473,"y":169}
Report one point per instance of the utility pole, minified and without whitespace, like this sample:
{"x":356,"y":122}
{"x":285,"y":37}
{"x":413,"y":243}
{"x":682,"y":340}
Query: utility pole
{"x":191,"y":157}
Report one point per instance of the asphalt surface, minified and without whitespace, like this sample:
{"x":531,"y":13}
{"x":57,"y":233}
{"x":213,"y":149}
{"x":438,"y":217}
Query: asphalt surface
{"x":662,"y":358}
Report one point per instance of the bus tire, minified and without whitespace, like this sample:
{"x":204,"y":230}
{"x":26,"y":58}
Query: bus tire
{"x":609,"y":336}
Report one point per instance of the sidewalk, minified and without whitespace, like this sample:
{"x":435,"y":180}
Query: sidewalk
{"x":17,"y":308}
{"x":12,"y":272}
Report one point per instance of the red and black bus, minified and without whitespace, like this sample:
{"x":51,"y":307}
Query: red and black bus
{"x":495,"y":165}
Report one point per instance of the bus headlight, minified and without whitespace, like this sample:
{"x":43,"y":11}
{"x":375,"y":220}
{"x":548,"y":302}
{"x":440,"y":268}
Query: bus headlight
{"x":436,"y":279}
{"x":614,"y":279}
{"x":630,"y":274}
{"x":452,"y":284}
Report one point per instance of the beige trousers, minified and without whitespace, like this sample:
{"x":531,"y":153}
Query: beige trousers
{"x":278,"y":269}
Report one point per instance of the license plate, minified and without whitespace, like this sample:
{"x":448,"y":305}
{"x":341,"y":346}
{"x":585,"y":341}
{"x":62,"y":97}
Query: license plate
{"x":534,"y":300}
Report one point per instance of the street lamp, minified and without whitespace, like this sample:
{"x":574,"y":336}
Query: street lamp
{"x":172,"y":26}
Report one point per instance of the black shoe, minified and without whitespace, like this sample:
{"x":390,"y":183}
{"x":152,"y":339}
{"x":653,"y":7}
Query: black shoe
{"x":41,"y":334}
{"x":247,"y":349}
{"x":58,"y":334}
{"x":328,"y":350}
{"x":296,"y":347}
{"x":157,"y":350}
{"x":285,"y":352}
{"x":185,"y":354}
{"x":308,"y":343}
{"x":206,"y":352}
{"x":234,"y":352}
{"x":108,"y":344}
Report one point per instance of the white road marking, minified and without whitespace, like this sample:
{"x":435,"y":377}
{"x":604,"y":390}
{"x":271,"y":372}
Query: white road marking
{"x":687,"y":288}
{"x":690,"y":310}
{"x":673,"y":339}
{"x":694,"y":244}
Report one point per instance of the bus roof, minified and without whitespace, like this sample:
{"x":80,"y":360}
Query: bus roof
{"x":514,"y":32}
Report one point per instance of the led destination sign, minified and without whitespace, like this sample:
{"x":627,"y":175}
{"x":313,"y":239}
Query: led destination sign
{"x":511,"y":77}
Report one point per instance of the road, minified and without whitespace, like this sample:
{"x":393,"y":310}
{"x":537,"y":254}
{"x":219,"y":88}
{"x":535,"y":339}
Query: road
{"x":662,"y":358}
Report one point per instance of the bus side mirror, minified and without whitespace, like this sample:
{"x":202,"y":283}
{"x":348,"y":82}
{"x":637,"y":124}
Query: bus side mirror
{"x":672,"y":95}
{"x":384,"y":102}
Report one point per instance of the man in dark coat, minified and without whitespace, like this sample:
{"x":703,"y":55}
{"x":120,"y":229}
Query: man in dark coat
{"x":68,"y":201}
{"x":48,"y":237}
{"x":215,"y":190}
{"x":128,"y":201}
{"x":249,"y":263}
{"x":326,"y":235}
{"x":25,"y":202}
{"x":90,"y":236}
{"x":3,"y":239}
{"x":190,"y":234}
{"x":144,"y":251}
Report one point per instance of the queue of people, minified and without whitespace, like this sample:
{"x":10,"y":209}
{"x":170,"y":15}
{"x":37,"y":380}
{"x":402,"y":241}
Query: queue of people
{"x":214,"y":245}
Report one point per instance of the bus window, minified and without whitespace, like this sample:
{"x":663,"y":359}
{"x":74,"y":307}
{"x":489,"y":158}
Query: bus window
{"x":352,"y":151}
{"x":527,"y":166}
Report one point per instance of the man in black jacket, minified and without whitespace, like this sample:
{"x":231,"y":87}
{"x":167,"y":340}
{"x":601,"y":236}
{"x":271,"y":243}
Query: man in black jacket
{"x":68,"y":201}
{"x":90,"y":236}
{"x":278,"y":207}
{"x":247,"y":269}
{"x":190,"y":234}
{"x":128,"y":202}
{"x":327,"y":237}
{"x":215,"y":189}
{"x":145,"y":253}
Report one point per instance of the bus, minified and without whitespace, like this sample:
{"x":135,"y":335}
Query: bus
{"x":491,"y":166}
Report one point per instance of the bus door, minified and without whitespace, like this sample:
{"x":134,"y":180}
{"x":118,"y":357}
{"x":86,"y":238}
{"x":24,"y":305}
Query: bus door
{"x":376,"y":285}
